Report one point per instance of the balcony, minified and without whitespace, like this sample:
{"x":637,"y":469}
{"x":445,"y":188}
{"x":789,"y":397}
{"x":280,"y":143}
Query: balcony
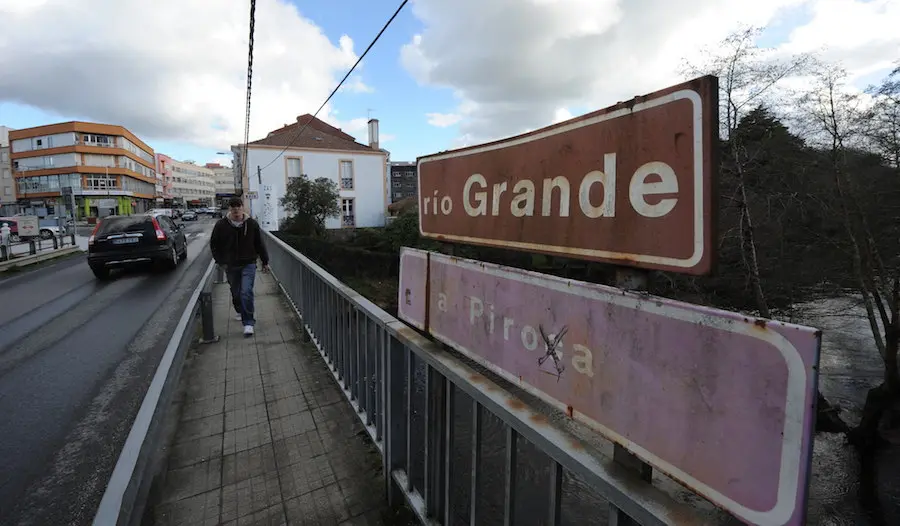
{"x":20,"y":169}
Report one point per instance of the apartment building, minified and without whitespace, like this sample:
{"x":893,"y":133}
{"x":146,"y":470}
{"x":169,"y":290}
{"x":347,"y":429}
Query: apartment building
{"x":191,"y":185}
{"x":404,"y":181}
{"x":166,"y":177}
{"x":7,"y":185}
{"x":106,"y":168}
{"x":224,"y":181}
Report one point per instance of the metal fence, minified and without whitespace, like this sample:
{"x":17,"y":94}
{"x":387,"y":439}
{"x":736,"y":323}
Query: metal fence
{"x":10,"y":251}
{"x":427,"y":412}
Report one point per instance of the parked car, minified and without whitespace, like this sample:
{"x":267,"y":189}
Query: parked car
{"x":44,"y":231}
{"x":189,"y":216}
{"x":128,"y":241}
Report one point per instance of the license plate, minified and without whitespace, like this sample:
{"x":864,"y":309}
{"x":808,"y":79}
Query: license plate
{"x":125,"y":241}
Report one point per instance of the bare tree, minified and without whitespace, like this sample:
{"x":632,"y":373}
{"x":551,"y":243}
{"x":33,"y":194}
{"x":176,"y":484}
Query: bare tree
{"x":747,"y":75}
{"x":885,"y":118}
{"x":843,"y":124}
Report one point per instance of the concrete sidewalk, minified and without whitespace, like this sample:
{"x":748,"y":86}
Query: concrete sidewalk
{"x":265,"y":435}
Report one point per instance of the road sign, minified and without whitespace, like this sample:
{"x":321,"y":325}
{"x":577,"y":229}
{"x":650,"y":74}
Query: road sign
{"x":719,"y":401}
{"x":631,"y":184}
{"x":253,"y":194}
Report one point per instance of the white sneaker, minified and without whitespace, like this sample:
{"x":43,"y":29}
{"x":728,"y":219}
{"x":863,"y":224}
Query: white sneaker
{"x":248,"y":330}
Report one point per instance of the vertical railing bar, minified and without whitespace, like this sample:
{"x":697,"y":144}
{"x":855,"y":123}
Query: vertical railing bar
{"x":333,"y":327}
{"x":429,"y":442}
{"x":371,"y":360}
{"x":476,"y":460}
{"x":340,"y":306}
{"x":354,"y":358}
{"x":329,"y":314}
{"x":509,"y":504}
{"x":450,"y":410}
{"x":341,"y":338}
{"x":381,"y":392}
{"x":556,"y":473}
{"x":348,"y":342}
{"x":410,"y":386}
{"x":317,"y":298}
{"x":364,"y":366}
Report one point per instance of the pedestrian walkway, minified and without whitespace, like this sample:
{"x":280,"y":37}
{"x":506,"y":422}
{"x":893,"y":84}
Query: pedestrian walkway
{"x":265,"y":435}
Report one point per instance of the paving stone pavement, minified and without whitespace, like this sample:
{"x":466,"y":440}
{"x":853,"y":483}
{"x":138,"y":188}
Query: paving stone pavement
{"x":265,"y":436}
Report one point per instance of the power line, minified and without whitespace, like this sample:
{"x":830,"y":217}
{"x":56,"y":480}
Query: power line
{"x":388,"y":23}
{"x":249,"y":89}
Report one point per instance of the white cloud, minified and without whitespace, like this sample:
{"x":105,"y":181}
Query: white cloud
{"x":561,"y":114}
{"x":169,"y":69}
{"x":861,"y":35}
{"x":443,"y":120}
{"x":523,"y":62}
{"x":354,"y":84}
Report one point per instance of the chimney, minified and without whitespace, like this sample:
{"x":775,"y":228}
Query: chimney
{"x":373,"y":134}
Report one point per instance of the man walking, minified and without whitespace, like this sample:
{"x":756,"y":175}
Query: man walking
{"x":236,"y":243}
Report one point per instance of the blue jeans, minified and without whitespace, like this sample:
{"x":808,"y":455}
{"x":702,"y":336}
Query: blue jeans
{"x":241,"y":279}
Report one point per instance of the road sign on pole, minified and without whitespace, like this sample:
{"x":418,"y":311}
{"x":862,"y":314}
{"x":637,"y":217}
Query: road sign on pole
{"x":632,"y":184}
{"x":722,"y":402}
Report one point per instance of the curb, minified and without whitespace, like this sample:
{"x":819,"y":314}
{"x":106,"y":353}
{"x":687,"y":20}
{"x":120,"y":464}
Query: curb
{"x":128,"y":486}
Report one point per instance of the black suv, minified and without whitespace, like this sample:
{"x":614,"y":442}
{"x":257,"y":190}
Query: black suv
{"x":126,"y":241}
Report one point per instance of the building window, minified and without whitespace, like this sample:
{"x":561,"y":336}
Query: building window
{"x":348,"y":217}
{"x":346,"y":175}
{"x":293,"y":167}
{"x":101,"y":182}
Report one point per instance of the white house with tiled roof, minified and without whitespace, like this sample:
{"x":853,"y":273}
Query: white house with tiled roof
{"x":359,"y":170}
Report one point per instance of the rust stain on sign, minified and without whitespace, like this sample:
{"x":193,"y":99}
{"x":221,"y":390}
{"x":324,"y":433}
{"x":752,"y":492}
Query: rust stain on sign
{"x":632,"y":184}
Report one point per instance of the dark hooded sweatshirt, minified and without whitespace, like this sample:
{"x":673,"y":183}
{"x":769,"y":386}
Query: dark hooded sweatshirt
{"x":237,"y":244}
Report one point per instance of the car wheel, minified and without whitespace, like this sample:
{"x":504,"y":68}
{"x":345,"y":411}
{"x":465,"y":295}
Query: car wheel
{"x":101,"y":273}
{"x":46,"y":234}
{"x":183,"y":255}
{"x":173,"y":258}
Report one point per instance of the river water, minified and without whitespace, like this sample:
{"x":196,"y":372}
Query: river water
{"x":850,"y":365}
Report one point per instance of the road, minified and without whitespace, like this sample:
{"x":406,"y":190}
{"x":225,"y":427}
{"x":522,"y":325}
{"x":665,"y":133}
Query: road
{"x":76,"y":357}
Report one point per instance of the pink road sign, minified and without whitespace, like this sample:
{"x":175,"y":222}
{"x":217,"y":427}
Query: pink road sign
{"x":721,"y":402}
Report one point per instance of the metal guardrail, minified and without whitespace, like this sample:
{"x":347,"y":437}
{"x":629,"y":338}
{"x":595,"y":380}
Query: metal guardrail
{"x":378,"y":361}
{"x":128,"y":486}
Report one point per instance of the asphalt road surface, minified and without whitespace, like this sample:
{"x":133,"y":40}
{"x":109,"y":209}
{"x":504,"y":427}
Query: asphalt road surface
{"x":76,"y":357}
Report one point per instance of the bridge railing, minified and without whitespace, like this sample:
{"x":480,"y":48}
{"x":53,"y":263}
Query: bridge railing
{"x":411,"y":394}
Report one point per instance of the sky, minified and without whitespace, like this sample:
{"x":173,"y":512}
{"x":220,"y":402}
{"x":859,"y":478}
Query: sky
{"x":445,"y":74}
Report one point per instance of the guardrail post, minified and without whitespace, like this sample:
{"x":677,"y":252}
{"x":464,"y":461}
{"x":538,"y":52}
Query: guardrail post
{"x":32,"y":248}
{"x":73,"y":240}
{"x":4,"y":252}
{"x":629,"y":279}
{"x":206,"y":318}
{"x":55,"y":243}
